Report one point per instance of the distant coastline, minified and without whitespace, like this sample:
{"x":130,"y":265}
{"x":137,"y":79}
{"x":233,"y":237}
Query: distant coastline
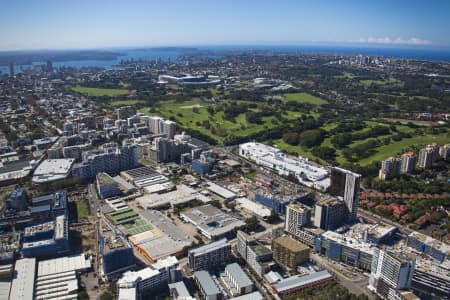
{"x":109,"y":58}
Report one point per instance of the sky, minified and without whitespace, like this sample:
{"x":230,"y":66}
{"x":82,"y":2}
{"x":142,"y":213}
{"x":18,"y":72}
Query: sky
{"x":89,"y":24}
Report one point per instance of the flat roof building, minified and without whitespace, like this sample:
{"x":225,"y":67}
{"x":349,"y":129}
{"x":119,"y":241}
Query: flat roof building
{"x":211,"y":221}
{"x":289,"y":252}
{"x":51,"y":170}
{"x":297,"y":283}
{"x":210,"y":256}
{"x":237,"y":282}
{"x":22,"y":287}
{"x":207,"y":286}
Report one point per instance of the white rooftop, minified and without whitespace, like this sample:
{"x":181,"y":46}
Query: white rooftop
{"x":53,"y":169}
{"x":22,"y":287}
{"x":63,"y":264}
{"x":254,"y":207}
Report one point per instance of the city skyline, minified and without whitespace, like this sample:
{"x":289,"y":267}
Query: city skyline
{"x":100,"y":24}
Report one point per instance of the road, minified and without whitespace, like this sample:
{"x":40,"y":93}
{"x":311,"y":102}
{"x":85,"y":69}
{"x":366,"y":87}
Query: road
{"x":373,"y":217}
{"x":358,"y":286}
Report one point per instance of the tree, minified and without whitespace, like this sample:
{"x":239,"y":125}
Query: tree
{"x":251,"y":223}
{"x":326,"y":153}
{"x":291,"y":138}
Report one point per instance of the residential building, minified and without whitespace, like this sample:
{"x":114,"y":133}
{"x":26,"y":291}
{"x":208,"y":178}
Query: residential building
{"x":444,"y":151}
{"x":210,"y":256}
{"x":346,"y":249}
{"x":390,"y":168}
{"x":207,"y":286}
{"x":178,"y":291}
{"x":330,"y":213}
{"x":236,"y":281}
{"x":438,"y":250}
{"x":153,"y":278}
{"x":289,"y":252}
{"x":125,"y":112}
{"x":297,"y":283}
{"x":408,"y":164}
{"x":297,"y":216}
{"x":110,"y":159}
{"x":390,"y":272}
{"x":107,"y":186}
{"x":255,"y":254}
{"x":46,"y":239}
{"x":428,"y":155}
{"x":346,"y":184}
{"x":17,"y":199}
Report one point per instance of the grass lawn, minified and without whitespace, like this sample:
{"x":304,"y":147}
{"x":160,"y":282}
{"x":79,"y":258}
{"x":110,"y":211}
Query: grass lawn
{"x":394,"y":148}
{"x":96,"y":92}
{"x":304,"y":98}
{"x":192,"y":114}
{"x":391,"y":81}
{"x":119,"y":103}
{"x":82,"y":208}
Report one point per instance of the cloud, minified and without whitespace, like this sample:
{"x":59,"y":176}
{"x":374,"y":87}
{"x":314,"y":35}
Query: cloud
{"x":394,"y":41}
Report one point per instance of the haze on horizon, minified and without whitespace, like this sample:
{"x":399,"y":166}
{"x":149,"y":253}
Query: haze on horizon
{"x":51,"y":24}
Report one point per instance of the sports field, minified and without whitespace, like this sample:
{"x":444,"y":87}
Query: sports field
{"x":97,"y":92}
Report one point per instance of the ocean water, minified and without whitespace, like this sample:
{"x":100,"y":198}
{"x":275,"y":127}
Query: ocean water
{"x":172,"y":54}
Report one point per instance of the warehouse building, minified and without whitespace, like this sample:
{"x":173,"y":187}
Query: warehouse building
{"x":22,"y":286}
{"x":211,"y":221}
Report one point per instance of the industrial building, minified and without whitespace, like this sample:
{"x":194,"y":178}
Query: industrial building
{"x":221,"y":191}
{"x":236,"y":281}
{"x":289,"y":252}
{"x":51,"y":170}
{"x":207,"y":286}
{"x":255,"y":209}
{"x":143,"y":176}
{"x":211,"y":221}
{"x":308,"y":173}
{"x":163,"y":238}
{"x":182,"y":194}
{"x":210,"y":256}
{"x":23,"y":283}
{"x":297,"y":283}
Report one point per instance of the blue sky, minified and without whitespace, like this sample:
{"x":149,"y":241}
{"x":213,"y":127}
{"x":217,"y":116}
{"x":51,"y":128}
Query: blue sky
{"x":64,"y":24}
